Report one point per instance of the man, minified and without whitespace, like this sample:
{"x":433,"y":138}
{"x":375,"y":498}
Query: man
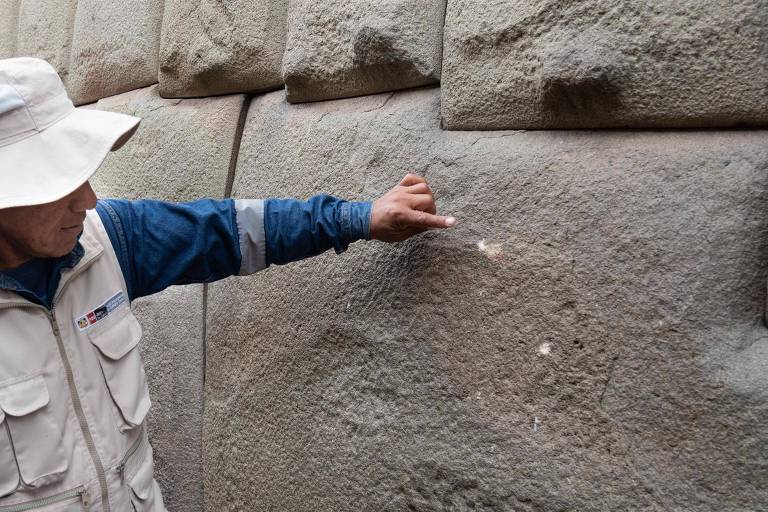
{"x":73,"y":393}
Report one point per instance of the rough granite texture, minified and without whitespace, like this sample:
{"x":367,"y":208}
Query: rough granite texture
{"x":174,"y":354}
{"x":211,"y":47}
{"x":590,"y":338}
{"x":9,"y":21}
{"x":181,"y":153}
{"x":183,"y":145}
{"x":45,"y":31}
{"x":605,"y":63}
{"x":114,"y":47}
{"x":342,"y":48}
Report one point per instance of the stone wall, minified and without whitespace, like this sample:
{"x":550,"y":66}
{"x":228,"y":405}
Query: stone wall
{"x":590,"y":337}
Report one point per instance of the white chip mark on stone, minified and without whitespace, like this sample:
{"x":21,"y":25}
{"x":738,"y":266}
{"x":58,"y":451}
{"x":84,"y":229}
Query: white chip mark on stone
{"x":536,"y":423}
{"x":493,"y":251}
{"x":545,"y":349}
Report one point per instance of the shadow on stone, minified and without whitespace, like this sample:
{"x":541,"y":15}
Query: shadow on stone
{"x":580,"y":81}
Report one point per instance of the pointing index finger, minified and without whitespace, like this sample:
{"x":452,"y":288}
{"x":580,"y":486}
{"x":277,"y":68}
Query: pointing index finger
{"x":427,"y":220}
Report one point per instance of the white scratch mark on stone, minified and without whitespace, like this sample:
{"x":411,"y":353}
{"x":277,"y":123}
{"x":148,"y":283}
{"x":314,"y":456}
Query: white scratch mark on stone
{"x":536,"y":424}
{"x":493,"y":251}
{"x":545,"y":349}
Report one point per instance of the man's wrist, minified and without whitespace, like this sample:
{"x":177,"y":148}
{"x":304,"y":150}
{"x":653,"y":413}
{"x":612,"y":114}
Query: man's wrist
{"x":355,"y":220}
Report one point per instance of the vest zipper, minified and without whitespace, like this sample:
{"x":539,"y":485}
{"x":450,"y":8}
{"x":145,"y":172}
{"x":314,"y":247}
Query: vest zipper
{"x":120,"y":468}
{"x":78,"y":406}
{"x":76,"y":403}
{"x":80,"y":493}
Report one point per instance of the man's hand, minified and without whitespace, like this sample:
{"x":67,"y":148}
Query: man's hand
{"x":406,"y":210}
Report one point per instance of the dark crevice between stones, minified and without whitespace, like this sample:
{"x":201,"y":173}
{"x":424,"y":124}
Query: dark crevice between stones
{"x":227,"y":194}
{"x":205,"y":335}
{"x":200,"y":461}
{"x":765,"y":306}
{"x":236,"y":146}
{"x":159,"y":40}
{"x":441,"y":51}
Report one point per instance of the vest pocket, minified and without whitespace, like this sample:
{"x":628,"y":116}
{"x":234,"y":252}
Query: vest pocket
{"x":138,"y":469}
{"x":117,"y":344}
{"x":145,"y":496}
{"x":9,"y":474}
{"x":29,"y":436}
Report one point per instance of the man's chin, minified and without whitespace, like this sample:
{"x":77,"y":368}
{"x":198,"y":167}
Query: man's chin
{"x":65,"y":248}
{"x":61,"y":253}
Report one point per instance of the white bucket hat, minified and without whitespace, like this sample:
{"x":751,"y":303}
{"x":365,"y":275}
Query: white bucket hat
{"x":49,"y":148}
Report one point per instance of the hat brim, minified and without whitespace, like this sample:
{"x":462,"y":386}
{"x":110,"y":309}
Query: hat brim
{"x":54,"y":163}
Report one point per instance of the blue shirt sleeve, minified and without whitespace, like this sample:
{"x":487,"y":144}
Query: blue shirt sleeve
{"x":299,"y":229}
{"x":159,"y":244}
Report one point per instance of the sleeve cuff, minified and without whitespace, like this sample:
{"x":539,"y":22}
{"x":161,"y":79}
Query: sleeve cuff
{"x":250,"y":228}
{"x":355,"y":220}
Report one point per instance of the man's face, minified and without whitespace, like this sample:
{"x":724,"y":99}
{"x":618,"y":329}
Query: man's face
{"x":43,"y":231}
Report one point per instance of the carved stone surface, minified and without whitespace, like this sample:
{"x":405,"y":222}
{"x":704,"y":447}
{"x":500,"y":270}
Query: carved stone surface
{"x":180,"y":153}
{"x":114,"y":47}
{"x":211,"y":47}
{"x":588,"y":338}
{"x":342,"y":48}
{"x":45,"y":31}
{"x":596,"y":63}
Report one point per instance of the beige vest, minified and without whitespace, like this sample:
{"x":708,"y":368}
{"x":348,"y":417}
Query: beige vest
{"x":73,"y":394}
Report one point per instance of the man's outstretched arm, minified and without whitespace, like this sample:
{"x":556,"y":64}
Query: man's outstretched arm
{"x":160,"y":244}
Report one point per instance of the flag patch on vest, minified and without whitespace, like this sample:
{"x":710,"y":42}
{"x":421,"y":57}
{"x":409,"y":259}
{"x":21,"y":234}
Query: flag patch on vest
{"x":100,"y":313}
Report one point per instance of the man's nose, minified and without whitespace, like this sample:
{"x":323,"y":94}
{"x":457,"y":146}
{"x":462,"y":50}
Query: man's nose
{"x":84,"y":198}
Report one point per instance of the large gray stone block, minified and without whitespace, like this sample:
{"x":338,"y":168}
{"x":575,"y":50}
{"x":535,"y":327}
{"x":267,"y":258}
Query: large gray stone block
{"x":338,"y":49}
{"x":9,"y":22}
{"x":598,"y":63}
{"x":587,"y":339}
{"x":180,"y":153}
{"x":45,"y":32}
{"x":182,"y":148}
{"x":114,"y":48}
{"x":210,"y":47}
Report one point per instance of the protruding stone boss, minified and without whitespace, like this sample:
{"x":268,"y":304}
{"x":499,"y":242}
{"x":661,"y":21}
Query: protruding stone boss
{"x":73,"y":393}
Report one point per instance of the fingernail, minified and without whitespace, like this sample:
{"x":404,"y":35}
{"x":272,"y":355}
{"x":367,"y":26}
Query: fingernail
{"x":450,"y":222}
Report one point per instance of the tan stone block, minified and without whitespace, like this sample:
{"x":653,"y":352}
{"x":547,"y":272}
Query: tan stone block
{"x":605,"y":64}
{"x":9,"y":21}
{"x":343,"y":48}
{"x":45,"y":31}
{"x":211,"y":47}
{"x":114,"y":47}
